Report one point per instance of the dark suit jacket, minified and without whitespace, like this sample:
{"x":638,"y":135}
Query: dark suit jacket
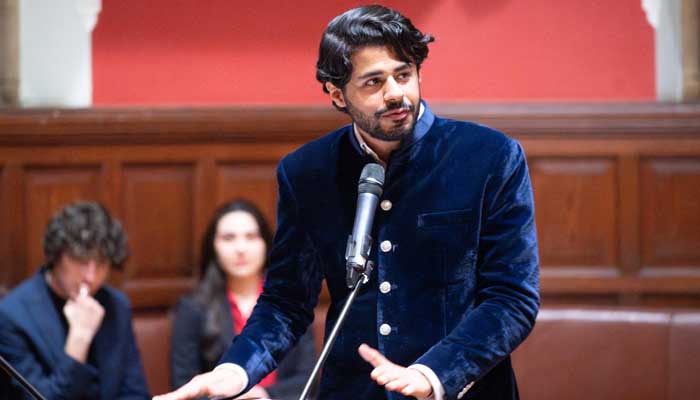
{"x":32,"y":340}
{"x":187,"y":357}
{"x":460,"y":258}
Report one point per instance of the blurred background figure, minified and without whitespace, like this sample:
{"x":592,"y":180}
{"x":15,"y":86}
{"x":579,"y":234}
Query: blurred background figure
{"x":65,"y":329}
{"x":233,"y":261}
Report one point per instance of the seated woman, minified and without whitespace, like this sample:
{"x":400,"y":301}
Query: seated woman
{"x":234,"y":258}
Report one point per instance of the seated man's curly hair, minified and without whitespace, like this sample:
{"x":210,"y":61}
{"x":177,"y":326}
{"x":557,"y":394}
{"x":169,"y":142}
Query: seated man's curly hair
{"x":85,"y":230}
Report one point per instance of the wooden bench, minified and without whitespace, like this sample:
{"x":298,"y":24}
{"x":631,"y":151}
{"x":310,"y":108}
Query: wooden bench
{"x":573,"y":353}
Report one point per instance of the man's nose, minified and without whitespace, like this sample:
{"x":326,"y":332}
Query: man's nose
{"x":392,"y":91}
{"x":90,"y":271}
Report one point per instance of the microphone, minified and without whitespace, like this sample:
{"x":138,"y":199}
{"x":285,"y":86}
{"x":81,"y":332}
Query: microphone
{"x":360,"y":242}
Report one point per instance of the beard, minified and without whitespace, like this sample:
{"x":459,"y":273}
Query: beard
{"x":372,"y":123}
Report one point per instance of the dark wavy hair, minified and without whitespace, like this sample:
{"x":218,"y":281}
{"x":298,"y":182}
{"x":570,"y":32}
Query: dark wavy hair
{"x":373,"y":25}
{"x":85,"y":230}
{"x":212,"y":281}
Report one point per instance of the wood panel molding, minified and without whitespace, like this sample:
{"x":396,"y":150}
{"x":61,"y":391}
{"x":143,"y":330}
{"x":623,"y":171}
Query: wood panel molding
{"x":5,"y":273}
{"x":256,"y":182}
{"x":46,"y":190}
{"x":35,"y":127}
{"x":576,"y":202}
{"x":157,"y":205}
{"x":671,"y":211}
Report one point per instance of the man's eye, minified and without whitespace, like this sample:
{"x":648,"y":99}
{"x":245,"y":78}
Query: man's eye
{"x":403,"y":76}
{"x":371,"y":82}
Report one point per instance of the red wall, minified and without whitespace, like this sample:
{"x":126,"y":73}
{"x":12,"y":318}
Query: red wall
{"x":179,"y":52}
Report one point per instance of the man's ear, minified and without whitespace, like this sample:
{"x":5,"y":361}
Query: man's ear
{"x":336,"y":95}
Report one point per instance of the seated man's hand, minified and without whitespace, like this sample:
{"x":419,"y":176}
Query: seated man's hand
{"x":84,"y":315}
{"x":221,"y":382}
{"x":407,"y":381}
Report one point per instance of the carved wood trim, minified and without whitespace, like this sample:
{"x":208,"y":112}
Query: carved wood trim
{"x":300,"y":124}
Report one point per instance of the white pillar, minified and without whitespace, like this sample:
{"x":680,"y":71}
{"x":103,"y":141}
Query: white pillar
{"x":9,"y":55}
{"x":55,"y":53}
{"x":665,"y":17}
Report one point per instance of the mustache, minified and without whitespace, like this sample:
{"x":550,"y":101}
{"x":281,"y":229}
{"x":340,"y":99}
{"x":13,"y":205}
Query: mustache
{"x":405,"y":105}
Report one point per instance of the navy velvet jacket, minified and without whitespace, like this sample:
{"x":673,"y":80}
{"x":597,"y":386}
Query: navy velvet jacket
{"x":32,"y":340}
{"x":462,"y":265}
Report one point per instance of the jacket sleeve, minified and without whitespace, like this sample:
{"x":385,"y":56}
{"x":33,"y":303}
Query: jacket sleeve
{"x":291,"y":289}
{"x":185,"y":351}
{"x":507,"y":281}
{"x":67,"y":379}
{"x":133,"y":384}
{"x":294,"y":370}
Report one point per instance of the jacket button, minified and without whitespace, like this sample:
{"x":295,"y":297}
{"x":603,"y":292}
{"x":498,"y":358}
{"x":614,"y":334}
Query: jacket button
{"x":385,"y":205}
{"x":385,"y":329}
{"x":385,"y":246}
{"x":385,"y":287}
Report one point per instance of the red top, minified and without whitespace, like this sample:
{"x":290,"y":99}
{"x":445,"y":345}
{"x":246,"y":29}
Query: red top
{"x":238,"y":324}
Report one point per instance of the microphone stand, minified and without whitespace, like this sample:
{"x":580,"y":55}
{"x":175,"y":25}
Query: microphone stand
{"x":5,"y":366}
{"x":361,"y":280}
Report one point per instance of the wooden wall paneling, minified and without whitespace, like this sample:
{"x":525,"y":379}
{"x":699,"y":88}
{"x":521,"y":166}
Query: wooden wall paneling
{"x":613,"y":186}
{"x":205,"y":203}
{"x":157,"y":204}
{"x":576,"y":209}
{"x":47,"y":189}
{"x":628,"y":222}
{"x":13,"y":221}
{"x":664,"y":300}
{"x":670,"y":234}
{"x":671,"y":230}
{"x":256,"y":182}
{"x":5,"y":268}
{"x":671,"y":215}
{"x":560,"y":296}
{"x":111,"y":176}
{"x":111,"y":199}
{"x":628,"y":211}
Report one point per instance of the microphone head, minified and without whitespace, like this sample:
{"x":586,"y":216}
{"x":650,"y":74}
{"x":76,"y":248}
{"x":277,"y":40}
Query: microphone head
{"x":371,"y":179}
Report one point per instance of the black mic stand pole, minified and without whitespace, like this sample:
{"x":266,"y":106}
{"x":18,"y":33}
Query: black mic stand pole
{"x":5,"y":366}
{"x":361,"y":280}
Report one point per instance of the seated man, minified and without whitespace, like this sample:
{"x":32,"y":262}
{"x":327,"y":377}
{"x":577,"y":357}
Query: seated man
{"x":64,"y":329}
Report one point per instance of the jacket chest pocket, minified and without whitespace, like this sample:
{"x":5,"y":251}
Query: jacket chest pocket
{"x":451,"y":240}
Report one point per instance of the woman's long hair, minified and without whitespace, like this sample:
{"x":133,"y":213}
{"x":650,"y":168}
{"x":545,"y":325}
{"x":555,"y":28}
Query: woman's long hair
{"x":212,"y":280}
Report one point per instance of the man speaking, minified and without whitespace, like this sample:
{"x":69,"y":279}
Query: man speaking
{"x":454,"y":289}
